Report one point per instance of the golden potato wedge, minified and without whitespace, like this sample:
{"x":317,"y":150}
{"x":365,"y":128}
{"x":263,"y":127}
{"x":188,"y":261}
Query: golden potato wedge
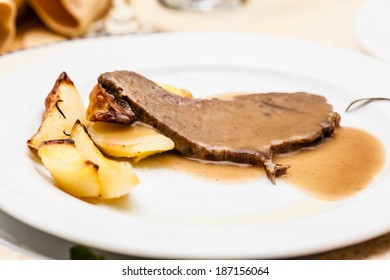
{"x":135,"y":141}
{"x":116,"y":177}
{"x":176,"y":90}
{"x":85,"y":145}
{"x":79,"y":168}
{"x":71,"y":171}
{"x":63,"y":107}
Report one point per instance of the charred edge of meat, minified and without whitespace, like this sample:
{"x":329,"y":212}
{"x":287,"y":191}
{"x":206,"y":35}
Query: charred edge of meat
{"x":106,"y":107}
{"x":109,"y":86}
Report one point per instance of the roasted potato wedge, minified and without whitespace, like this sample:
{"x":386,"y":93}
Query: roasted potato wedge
{"x":70,"y":170}
{"x":79,"y":168}
{"x":176,"y":90}
{"x":63,"y":107}
{"x":76,"y":164}
{"x":135,"y":141}
{"x":116,"y":177}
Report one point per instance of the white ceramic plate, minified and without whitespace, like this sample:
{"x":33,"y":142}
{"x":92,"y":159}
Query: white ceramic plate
{"x":372,"y":28}
{"x":176,"y":215}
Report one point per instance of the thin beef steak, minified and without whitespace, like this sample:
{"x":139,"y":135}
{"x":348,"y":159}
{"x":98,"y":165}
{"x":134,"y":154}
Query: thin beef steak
{"x":244,"y":129}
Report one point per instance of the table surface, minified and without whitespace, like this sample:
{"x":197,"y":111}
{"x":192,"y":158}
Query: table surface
{"x":326,"y":21}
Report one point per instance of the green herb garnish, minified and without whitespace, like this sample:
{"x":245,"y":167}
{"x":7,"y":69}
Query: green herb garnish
{"x":80,"y":252}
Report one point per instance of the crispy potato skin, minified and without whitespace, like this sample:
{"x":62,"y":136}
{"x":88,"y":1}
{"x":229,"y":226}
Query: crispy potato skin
{"x":52,"y":97}
{"x":67,"y":141}
{"x":63,"y":106}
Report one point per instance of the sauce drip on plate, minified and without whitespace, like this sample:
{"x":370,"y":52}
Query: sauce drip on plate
{"x":335,"y":169}
{"x":339,"y":167}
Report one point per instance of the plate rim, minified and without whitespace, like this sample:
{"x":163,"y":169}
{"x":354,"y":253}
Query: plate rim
{"x":151,"y":254}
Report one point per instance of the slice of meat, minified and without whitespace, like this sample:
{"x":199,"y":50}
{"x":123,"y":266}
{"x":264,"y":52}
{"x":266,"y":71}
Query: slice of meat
{"x":244,"y":129}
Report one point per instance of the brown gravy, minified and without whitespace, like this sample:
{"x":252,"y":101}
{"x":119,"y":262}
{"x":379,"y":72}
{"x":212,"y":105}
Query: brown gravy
{"x":339,"y":167}
{"x":333,"y":170}
{"x":213,"y":170}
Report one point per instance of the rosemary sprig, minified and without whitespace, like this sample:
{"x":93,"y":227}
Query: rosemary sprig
{"x":58,"y":107}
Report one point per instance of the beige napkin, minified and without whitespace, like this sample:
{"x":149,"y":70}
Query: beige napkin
{"x":69,"y":17}
{"x":66,"y":17}
{"x":7,"y":22}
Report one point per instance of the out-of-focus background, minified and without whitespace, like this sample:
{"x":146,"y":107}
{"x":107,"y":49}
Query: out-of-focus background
{"x":26,"y":23}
